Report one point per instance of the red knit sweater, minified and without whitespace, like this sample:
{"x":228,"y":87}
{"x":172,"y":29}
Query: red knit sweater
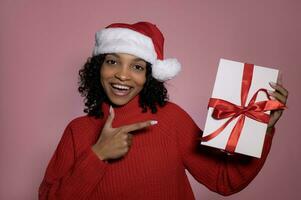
{"x":154,"y":167}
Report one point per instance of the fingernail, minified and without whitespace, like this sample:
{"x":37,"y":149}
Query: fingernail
{"x":153,"y":122}
{"x":270,"y":92}
{"x":272,"y":84}
{"x":111,"y":109}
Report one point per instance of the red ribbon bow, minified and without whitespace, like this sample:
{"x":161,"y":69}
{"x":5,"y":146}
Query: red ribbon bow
{"x":254,"y":110}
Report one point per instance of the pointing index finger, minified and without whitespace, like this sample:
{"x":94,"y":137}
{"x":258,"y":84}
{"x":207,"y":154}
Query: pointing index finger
{"x":138,"y":126}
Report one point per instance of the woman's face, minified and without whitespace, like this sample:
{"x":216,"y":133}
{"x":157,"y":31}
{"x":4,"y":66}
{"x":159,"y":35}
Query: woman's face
{"x":122,"y":77}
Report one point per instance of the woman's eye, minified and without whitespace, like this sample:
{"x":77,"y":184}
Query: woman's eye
{"x":138,"y":67}
{"x":111,"y":62}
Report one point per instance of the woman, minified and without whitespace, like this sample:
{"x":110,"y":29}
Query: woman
{"x":134,"y":144}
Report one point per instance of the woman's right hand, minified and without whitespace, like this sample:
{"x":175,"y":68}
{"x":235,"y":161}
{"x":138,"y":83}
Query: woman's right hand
{"x":114,"y":143}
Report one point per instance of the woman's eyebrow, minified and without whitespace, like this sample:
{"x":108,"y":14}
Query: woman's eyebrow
{"x":117,"y":56}
{"x":113,"y":54}
{"x":139,"y":59}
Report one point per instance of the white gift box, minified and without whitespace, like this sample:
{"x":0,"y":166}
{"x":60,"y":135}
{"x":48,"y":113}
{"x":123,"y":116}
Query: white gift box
{"x":227,"y":87}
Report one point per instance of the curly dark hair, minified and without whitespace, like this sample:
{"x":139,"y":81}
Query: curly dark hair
{"x":152,"y":95}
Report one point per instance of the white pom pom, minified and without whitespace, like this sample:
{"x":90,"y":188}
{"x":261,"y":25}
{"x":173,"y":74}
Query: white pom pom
{"x":163,"y":70}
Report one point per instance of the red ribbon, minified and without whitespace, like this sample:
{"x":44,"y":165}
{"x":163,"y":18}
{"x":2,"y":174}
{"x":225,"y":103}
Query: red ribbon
{"x":254,"y":110}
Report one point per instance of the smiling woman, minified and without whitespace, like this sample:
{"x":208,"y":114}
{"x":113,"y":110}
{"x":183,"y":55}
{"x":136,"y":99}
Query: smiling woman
{"x":91,"y":86}
{"x":122,"y":77}
{"x":133,"y":143}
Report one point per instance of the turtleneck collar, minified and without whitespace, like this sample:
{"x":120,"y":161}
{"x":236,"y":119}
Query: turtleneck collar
{"x":131,"y":106}
{"x":126,"y":114}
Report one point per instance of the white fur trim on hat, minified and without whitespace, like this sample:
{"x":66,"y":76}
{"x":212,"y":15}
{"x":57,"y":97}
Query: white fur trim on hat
{"x":123,"y":40}
{"x":164,"y":70}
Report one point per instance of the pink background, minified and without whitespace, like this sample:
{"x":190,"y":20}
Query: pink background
{"x":43,"y":45}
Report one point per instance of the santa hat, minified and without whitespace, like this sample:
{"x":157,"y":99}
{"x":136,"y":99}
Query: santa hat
{"x":141,"y":39}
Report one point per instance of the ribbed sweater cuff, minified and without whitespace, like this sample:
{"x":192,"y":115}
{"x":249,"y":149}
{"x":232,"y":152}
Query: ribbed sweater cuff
{"x":88,"y":171}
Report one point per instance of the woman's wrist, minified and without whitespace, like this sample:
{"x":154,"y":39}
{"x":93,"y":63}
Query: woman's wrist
{"x":270,"y":130}
{"x":98,"y":153}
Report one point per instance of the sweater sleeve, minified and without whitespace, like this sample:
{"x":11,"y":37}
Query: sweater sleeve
{"x":71,"y":176}
{"x":221,"y":173}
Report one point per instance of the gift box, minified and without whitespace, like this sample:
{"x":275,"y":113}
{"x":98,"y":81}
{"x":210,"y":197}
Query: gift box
{"x":238,"y":111}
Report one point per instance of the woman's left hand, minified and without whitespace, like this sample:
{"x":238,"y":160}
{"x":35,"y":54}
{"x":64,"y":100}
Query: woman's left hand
{"x":281,"y":95}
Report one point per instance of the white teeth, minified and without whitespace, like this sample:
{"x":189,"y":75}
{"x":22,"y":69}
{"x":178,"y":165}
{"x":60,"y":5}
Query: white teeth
{"x":121,"y":87}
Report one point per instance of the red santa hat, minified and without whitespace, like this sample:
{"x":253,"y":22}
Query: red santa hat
{"x":141,"y":39}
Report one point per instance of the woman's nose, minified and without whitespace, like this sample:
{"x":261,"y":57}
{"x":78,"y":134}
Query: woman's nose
{"x":122,"y":73}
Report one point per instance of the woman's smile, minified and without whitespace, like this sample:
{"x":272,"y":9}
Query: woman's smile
{"x":120,"y":89}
